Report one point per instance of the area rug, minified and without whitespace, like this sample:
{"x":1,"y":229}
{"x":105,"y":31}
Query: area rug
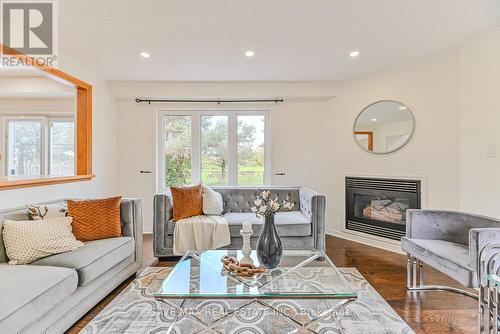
{"x":135,"y":310}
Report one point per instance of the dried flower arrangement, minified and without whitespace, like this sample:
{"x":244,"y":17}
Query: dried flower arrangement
{"x":264,"y":205}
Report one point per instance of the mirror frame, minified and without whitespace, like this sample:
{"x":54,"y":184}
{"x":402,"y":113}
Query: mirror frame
{"x":354,"y":132}
{"x":83,"y":126}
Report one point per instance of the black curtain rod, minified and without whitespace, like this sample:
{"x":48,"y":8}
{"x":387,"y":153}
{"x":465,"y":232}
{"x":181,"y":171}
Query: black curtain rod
{"x":218,"y":101}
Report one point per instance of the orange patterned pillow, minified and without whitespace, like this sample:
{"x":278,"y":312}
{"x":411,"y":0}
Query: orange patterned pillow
{"x":95,"y":219}
{"x":188,"y":201}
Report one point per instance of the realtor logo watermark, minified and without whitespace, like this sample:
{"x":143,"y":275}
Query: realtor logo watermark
{"x":29,"y":27}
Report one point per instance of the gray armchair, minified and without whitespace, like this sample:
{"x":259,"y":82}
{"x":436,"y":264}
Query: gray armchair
{"x":450,"y":242}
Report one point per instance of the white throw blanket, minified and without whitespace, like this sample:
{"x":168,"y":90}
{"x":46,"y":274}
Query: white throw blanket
{"x":200,"y":233}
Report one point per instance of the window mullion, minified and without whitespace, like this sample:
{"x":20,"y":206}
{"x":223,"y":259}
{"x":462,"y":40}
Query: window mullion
{"x":48,"y":137}
{"x":161,"y":167}
{"x":267,"y":154}
{"x":233,"y":149}
{"x":196,"y":148}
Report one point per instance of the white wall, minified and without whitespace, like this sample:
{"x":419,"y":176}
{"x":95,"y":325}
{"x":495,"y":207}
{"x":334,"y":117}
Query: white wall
{"x":298,"y":130}
{"x":103,"y":150}
{"x":17,"y":106}
{"x":311,"y":136}
{"x":32,"y":86}
{"x":136,"y":152}
{"x":430,"y":89}
{"x":480,"y":124}
{"x":453,"y":98}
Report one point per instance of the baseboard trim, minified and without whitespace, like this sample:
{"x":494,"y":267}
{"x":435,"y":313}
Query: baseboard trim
{"x":147,"y":230}
{"x":395,"y":248}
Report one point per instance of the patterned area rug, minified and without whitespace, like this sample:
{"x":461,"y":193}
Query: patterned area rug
{"x":135,"y":310}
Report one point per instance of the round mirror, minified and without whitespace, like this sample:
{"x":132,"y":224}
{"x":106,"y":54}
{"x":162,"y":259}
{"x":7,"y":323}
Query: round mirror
{"x":384,"y":127}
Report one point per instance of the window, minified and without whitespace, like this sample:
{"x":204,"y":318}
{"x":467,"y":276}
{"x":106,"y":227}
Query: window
{"x":218,"y":148}
{"x":214,"y":150}
{"x":39,"y":146}
{"x":251,"y":149}
{"x":24,"y":147}
{"x":62,"y":148}
{"x":177,"y":153}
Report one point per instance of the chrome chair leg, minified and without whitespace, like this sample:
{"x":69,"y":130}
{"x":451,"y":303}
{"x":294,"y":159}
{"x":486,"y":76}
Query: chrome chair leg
{"x":487,"y":312}
{"x":421,"y":273}
{"x":494,"y":317}
{"x":413,"y":266}
{"x":409,"y":260}
{"x":480,"y":311}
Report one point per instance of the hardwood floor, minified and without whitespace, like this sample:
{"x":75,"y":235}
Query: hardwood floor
{"x":425,"y":312}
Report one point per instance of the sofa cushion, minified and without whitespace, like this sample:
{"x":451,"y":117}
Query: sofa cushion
{"x":240,"y":199}
{"x":11,"y":214}
{"x":29,"y":240}
{"x":187,"y":201}
{"x":93,"y":259}
{"x":212,"y":202}
{"x":95,"y":219}
{"x":288,"y":224}
{"x":450,"y":258}
{"x":28,"y":292}
{"x":46,"y":211}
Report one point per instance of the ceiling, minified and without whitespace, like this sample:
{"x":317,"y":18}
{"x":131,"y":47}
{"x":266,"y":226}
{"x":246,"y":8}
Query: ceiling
{"x":294,"y":40}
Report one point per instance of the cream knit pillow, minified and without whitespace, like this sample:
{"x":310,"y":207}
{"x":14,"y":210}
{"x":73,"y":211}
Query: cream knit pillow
{"x":28,"y":241}
{"x":212,"y":202}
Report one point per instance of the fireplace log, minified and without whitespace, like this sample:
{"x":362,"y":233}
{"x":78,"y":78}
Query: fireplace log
{"x":392,"y":217}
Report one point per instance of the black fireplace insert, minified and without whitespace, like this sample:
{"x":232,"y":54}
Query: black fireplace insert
{"x":378,"y":206}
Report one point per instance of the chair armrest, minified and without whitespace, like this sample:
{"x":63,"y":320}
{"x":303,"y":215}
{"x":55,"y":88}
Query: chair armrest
{"x":131,"y":220}
{"x":449,"y":226}
{"x":312,"y":205}
{"x":479,"y":238}
{"x":162,"y":214}
{"x":440,"y":225}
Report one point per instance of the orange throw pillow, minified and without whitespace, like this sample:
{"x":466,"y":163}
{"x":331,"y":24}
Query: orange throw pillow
{"x":188,"y":201}
{"x":95,"y":219}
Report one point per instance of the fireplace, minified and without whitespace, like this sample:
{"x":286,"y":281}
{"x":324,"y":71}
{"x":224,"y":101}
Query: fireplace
{"x":378,"y":206}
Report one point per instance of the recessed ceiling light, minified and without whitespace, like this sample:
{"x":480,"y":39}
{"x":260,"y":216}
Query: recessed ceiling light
{"x":402,"y":108}
{"x":144,"y":54}
{"x":374,"y":119}
{"x":354,"y":54}
{"x":249,"y":53}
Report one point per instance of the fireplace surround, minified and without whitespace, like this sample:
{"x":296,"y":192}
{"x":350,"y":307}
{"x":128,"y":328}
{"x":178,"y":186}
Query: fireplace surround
{"x":377,"y":206}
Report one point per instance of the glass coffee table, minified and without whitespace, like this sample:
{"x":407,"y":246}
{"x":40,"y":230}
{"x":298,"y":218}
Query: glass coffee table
{"x":304,"y":275}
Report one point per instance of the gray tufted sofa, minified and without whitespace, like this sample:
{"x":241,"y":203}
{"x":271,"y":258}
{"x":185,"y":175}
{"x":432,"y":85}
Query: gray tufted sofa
{"x":301,"y":228}
{"x":51,"y":294}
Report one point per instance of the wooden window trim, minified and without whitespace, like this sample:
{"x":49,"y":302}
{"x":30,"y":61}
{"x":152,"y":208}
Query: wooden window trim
{"x":83,"y":127}
{"x":370,"y":138}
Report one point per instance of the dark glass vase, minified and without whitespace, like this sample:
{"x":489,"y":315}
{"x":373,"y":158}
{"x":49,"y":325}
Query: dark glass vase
{"x":269,"y":248}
